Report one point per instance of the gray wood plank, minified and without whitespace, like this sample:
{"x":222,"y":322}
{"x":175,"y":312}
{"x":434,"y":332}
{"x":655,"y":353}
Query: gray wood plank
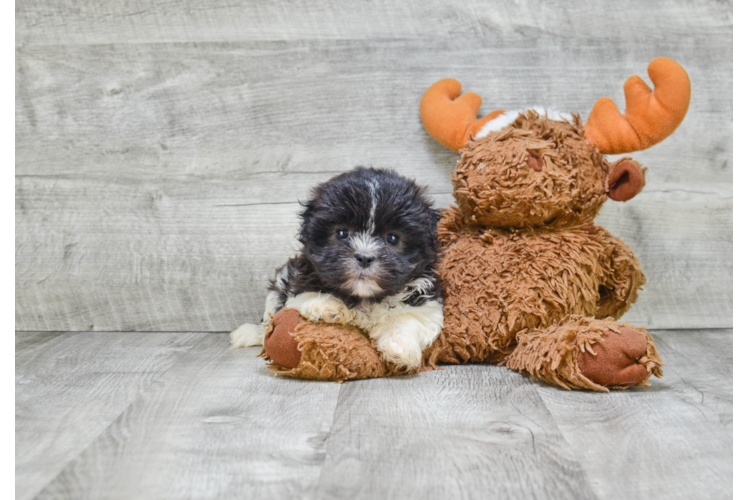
{"x":739,"y":227}
{"x":672,"y":440}
{"x":30,"y":344}
{"x":218,"y":424}
{"x":148,"y":175}
{"x":246,"y":110}
{"x":739,"y":177}
{"x":180,"y":256}
{"x":157,"y":183}
{"x":741,"y":456}
{"x":739,"y":220}
{"x":474,"y":431}
{"x":85,"y":22}
{"x":739,"y":369}
{"x":70,"y":387}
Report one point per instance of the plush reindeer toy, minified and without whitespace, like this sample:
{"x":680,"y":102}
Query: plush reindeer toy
{"x":530,"y":282}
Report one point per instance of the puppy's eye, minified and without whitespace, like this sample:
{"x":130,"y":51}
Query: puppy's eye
{"x":341,"y":234}
{"x":392,"y":239}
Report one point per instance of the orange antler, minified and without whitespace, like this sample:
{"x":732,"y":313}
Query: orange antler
{"x":451,"y":119}
{"x":649,"y":117}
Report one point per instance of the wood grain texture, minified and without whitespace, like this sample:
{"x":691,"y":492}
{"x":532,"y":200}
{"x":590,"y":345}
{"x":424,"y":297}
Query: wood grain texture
{"x":167,"y":255}
{"x":157,"y":183}
{"x":739,"y":369}
{"x":70,"y":387}
{"x":739,"y":228}
{"x":217,"y":425}
{"x":245,"y":110}
{"x":30,"y":344}
{"x":671,"y":440}
{"x":472,"y":431}
{"x":739,"y":177}
{"x":89,"y":22}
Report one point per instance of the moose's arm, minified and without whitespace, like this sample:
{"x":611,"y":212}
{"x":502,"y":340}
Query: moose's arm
{"x":622,"y":276}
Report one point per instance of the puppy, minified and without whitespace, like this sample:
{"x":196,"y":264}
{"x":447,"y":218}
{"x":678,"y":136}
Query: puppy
{"x":369,"y":259}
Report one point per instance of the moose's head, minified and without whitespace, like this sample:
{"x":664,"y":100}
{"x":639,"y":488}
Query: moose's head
{"x":537,"y":168}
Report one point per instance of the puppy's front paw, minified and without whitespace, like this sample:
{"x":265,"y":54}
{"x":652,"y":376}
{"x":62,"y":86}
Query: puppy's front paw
{"x":247,"y":335}
{"x":400,"y":350}
{"x":325,"y":308}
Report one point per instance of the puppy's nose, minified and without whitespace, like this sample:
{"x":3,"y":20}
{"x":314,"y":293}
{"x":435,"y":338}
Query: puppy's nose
{"x":364,"y":259}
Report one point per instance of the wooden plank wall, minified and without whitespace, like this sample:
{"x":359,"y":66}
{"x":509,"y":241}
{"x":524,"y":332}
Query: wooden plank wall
{"x":161,"y":149}
{"x":739,"y":158}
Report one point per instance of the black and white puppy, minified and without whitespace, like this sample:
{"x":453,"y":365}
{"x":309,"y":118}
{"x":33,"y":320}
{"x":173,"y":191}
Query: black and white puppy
{"x":368,"y":259}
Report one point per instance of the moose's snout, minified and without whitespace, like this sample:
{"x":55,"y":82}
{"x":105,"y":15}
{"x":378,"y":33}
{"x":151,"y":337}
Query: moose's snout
{"x":535,"y":161}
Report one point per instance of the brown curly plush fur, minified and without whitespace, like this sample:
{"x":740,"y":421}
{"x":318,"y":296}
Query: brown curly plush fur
{"x":553,"y":355}
{"x":530,"y":281}
{"x":500,"y":283}
{"x":494,"y":186}
{"x":331,"y":352}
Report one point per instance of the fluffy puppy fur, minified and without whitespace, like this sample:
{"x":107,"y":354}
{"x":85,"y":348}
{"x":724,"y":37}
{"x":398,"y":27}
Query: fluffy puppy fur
{"x":369,"y":259}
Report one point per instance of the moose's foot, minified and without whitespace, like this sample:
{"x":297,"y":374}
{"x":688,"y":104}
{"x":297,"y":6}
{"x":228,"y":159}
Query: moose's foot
{"x":280,"y":343}
{"x":618,"y":359}
{"x":322,"y":351}
{"x":587,"y":353}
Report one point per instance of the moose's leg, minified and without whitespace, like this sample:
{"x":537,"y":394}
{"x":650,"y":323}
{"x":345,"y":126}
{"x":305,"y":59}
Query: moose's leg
{"x":321,"y":351}
{"x":587,"y":353}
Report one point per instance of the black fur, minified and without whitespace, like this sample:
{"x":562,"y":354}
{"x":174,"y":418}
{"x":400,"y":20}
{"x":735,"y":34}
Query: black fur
{"x":328,"y":264}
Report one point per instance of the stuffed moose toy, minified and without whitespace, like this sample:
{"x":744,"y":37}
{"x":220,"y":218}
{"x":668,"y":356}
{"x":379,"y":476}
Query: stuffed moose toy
{"x":530,"y":282}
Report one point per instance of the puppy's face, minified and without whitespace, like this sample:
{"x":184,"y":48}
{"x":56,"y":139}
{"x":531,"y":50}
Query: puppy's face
{"x":369,"y":233}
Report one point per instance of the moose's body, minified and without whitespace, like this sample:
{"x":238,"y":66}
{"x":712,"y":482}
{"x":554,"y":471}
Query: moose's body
{"x":500,"y":284}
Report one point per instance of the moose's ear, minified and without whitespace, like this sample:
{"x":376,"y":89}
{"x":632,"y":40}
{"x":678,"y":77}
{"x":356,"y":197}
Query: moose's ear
{"x":626,"y":180}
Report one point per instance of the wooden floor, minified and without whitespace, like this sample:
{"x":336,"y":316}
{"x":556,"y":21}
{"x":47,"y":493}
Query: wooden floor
{"x":179,"y":415}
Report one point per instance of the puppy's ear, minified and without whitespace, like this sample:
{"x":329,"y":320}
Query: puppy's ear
{"x":306,"y":218}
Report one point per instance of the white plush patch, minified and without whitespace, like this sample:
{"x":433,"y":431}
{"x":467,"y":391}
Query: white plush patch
{"x":508,"y":117}
{"x":247,"y":335}
{"x":400,"y":331}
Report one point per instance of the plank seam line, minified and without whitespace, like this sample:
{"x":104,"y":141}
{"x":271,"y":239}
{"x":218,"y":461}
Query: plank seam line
{"x":536,"y":388}
{"x":327,"y":440}
{"x":713,"y":33}
{"x":258,"y":204}
{"x":129,"y":405}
